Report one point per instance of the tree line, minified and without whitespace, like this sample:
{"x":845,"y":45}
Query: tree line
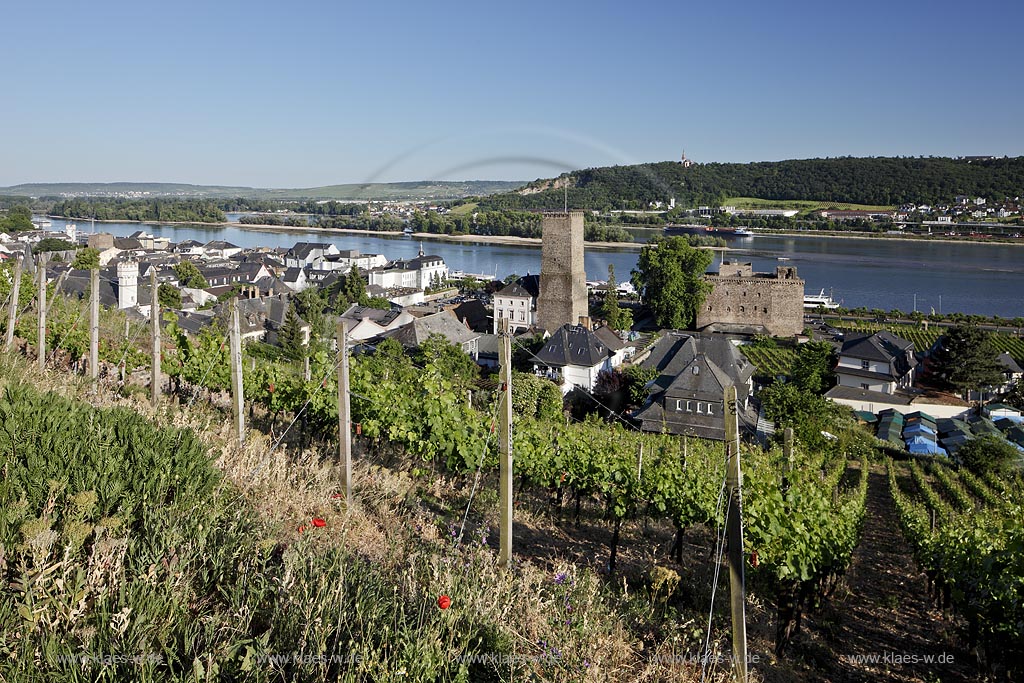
{"x":873,"y":181}
{"x":170,"y":210}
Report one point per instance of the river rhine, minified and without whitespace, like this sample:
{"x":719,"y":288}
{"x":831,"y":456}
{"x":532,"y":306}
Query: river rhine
{"x":987,"y":279}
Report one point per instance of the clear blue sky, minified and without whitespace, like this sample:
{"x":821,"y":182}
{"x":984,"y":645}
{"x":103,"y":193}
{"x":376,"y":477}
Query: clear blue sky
{"x":297,"y":94}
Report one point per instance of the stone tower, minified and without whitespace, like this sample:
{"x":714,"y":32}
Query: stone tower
{"x":563,"y":280}
{"x":127,"y":284}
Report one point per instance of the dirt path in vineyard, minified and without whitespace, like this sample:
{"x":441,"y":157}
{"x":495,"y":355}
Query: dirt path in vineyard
{"x":881,"y":625}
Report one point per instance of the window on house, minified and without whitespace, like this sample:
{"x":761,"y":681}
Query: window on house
{"x":865,"y":387}
{"x":679,"y":405}
{"x":741,"y":309}
{"x":709,"y":309}
{"x":699,"y":407}
{"x":689,"y":408}
{"x":709,"y":408}
{"x":865,"y":365}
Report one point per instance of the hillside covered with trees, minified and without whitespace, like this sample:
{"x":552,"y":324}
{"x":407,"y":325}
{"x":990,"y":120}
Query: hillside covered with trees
{"x":171,"y":210}
{"x":871,"y":181}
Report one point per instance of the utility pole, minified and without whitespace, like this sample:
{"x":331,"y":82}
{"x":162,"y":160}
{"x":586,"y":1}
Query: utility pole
{"x":94,"y":328}
{"x":12,"y":309}
{"x":154,"y":319}
{"x":734,"y":482}
{"x":237,"y":395}
{"x":640,"y":461}
{"x":41,"y":300}
{"x":344,"y":414}
{"x":505,"y":444}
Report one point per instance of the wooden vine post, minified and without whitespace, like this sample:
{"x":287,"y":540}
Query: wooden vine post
{"x":344,"y":414}
{"x":154,"y":319}
{"x":94,"y":328}
{"x":12,"y":309}
{"x":237,"y":387}
{"x":41,"y":301}
{"x":734,"y":483}
{"x":505,"y":443}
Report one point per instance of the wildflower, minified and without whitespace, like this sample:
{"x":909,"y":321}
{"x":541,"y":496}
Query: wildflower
{"x":335,"y":496}
{"x":317,"y":522}
{"x":270,"y":387}
{"x":302,"y":527}
{"x":560,"y":578}
{"x":444,"y":602}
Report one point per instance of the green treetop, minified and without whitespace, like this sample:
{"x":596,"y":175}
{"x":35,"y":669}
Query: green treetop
{"x":189,"y":275}
{"x":670,"y":277}
{"x":966,"y":360}
{"x":86,"y":259}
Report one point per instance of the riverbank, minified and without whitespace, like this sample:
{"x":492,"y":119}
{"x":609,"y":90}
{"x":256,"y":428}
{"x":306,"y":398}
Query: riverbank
{"x":1011,"y":241}
{"x":507,"y":240}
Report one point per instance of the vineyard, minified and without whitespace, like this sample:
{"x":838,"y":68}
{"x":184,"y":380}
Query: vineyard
{"x":803,"y":514}
{"x":968,"y":536}
{"x":771,"y":361}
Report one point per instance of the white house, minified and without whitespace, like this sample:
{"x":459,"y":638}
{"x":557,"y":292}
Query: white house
{"x":307,"y":253}
{"x":880,"y":362}
{"x":576,"y":355}
{"x":220,"y":249}
{"x":517,"y":302}
{"x":418,"y":273}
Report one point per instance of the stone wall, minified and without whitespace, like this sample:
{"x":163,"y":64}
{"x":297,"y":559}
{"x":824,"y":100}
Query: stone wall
{"x":563,"y":281}
{"x":763,"y":302}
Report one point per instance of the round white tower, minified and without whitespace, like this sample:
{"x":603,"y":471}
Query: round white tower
{"x":127,"y":284}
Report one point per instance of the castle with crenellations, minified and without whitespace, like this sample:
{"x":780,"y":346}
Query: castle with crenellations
{"x":742,"y":301}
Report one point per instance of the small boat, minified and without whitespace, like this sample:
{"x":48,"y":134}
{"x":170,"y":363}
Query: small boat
{"x":820,"y":300}
{"x":743,"y":232}
{"x":782,"y":258}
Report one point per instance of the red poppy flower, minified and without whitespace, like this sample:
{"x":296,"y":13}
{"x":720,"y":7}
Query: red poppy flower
{"x":444,"y":602}
{"x":302,"y":528}
{"x":317,"y":522}
{"x":753,"y":559}
{"x":337,"y":495}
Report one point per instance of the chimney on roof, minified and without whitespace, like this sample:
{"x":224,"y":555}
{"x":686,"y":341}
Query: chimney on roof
{"x":585,"y":322}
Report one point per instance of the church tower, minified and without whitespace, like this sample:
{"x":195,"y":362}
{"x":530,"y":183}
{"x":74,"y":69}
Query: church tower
{"x":563,"y":279}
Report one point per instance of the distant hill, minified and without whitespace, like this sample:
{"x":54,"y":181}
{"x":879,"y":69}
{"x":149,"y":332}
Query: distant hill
{"x":419,"y":190}
{"x":879,"y":181}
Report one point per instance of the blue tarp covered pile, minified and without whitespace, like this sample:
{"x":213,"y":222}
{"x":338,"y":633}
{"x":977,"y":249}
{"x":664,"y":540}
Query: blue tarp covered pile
{"x":919,"y":435}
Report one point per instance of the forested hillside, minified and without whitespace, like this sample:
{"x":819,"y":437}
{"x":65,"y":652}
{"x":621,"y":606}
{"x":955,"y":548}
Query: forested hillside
{"x":874,"y":181}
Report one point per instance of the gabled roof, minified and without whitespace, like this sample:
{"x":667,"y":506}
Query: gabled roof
{"x":292,"y":275}
{"x":220,"y":244}
{"x":700,"y":378}
{"x":444,"y":323}
{"x":526,"y":286}
{"x":573,"y":345}
{"x":881,"y":346}
{"x":1008,"y":363}
{"x":302,"y":250}
{"x":672,"y":353}
{"x":609,"y":337}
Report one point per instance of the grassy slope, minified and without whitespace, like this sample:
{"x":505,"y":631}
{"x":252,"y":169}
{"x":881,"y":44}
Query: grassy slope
{"x":804,"y":206}
{"x":204,"y":583}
